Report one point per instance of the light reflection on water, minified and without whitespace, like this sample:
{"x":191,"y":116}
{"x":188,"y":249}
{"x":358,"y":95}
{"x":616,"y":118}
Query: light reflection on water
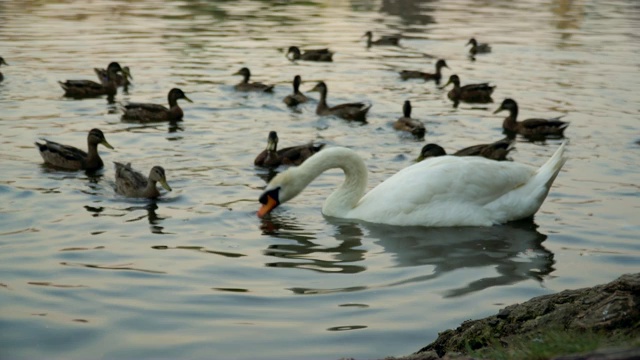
{"x":196,"y":273}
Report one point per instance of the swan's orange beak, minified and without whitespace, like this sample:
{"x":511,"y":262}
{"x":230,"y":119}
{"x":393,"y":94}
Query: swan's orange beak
{"x":267,"y":207}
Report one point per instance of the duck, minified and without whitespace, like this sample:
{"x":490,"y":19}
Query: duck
{"x":2,"y":62}
{"x":86,"y":88}
{"x":310,"y":54}
{"x":436,"y":77}
{"x":154,"y":112}
{"x":121,"y":79}
{"x":349,"y":111}
{"x":406,"y":123}
{"x":442,"y":191}
{"x":294,"y":155}
{"x":477,"y":48}
{"x":495,"y":151}
{"x":245,"y":85}
{"x":71,"y":158}
{"x":387,"y":40}
{"x":297,"y":97}
{"x":530,"y":128}
{"x":131,"y":183}
{"x":471,"y":93}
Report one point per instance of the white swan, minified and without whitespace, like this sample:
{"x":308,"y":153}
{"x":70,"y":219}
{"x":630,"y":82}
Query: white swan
{"x":441,"y":191}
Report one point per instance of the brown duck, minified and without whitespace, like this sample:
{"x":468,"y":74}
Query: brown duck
{"x":477,"y":48}
{"x":79,"y":89}
{"x":530,"y":128}
{"x":387,"y":40}
{"x":472,"y":93}
{"x":71,"y":158}
{"x":294,"y":155}
{"x":121,"y":79}
{"x":406,"y":123}
{"x":297,"y":97}
{"x":350,"y":111}
{"x":437,"y":76}
{"x":310,"y":54}
{"x":245,"y":85}
{"x":154,"y":112}
{"x":495,"y":151}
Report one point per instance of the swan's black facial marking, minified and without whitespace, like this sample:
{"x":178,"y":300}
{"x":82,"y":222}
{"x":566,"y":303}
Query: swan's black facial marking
{"x":274,"y":194}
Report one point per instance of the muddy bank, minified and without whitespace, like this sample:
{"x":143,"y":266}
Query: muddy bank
{"x":612,"y":309}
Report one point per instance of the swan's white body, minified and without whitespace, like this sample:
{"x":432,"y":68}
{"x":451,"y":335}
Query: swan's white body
{"x":441,"y":191}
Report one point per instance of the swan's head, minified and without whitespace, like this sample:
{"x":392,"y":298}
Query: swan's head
{"x":282,"y":188}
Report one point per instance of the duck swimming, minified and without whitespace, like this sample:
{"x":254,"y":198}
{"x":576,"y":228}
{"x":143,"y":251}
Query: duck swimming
{"x":294,"y":155}
{"x":387,"y":40}
{"x":131,"y":183}
{"x":121,"y":79}
{"x":245,"y":85}
{"x":411,"y":74}
{"x":71,"y":158}
{"x":310,"y":54}
{"x":79,"y":89}
{"x":471,"y":93}
{"x":349,"y":111}
{"x":495,"y":151}
{"x":406,"y":123}
{"x":477,"y":48}
{"x":531,"y":128}
{"x":442,"y":191}
{"x":297,"y":97}
{"x":154,"y":112}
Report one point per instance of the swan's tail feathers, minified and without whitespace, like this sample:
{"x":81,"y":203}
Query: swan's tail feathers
{"x":552,"y":167}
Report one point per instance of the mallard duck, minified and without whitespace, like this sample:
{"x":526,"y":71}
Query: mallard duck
{"x":387,"y":40}
{"x":294,"y":155}
{"x":443,"y":191}
{"x":71,"y":158}
{"x":87,"y":88}
{"x":154,"y":112}
{"x":310,"y":54}
{"x":350,"y":111}
{"x":478,"y":48}
{"x":406,"y":123}
{"x":531,"y":127}
{"x":411,"y":74}
{"x":133,"y":184}
{"x":495,"y":151}
{"x":121,"y":79}
{"x":2,"y":62}
{"x":245,"y":85}
{"x":472,"y":93}
{"x":297,"y":97}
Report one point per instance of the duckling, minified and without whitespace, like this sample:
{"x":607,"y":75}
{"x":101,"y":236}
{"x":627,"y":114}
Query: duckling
{"x":245,"y":85}
{"x":471,"y":93}
{"x":530,"y":128}
{"x":295,"y":155}
{"x":86,"y":88}
{"x":297,"y":97}
{"x":387,"y":40}
{"x":350,"y":111}
{"x":478,"y":48}
{"x":495,"y":151}
{"x":153,"y":112}
{"x":121,"y":79}
{"x":131,"y":183}
{"x":406,"y":123}
{"x":310,"y":54}
{"x":410,"y":74}
{"x":71,"y":158}
{"x":2,"y":62}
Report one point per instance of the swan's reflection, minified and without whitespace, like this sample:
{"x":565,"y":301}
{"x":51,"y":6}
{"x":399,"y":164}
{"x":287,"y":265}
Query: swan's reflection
{"x":514,"y":251}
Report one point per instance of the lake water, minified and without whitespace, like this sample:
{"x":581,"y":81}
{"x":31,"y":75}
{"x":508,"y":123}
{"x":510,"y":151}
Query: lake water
{"x":87,"y":274}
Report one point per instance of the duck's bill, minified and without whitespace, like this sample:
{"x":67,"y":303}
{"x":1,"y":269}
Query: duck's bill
{"x":127,"y":73}
{"x":105,"y":143}
{"x":498,"y":110}
{"x":186,"y":98}
{"x":165,"y":185}
{"x":268,"y":207}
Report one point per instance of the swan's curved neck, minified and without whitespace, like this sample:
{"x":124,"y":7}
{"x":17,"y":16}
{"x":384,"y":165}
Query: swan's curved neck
{"x":347,"y":195}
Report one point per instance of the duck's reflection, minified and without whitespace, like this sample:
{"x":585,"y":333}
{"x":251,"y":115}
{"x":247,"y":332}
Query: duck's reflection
{"x":513,"y":251}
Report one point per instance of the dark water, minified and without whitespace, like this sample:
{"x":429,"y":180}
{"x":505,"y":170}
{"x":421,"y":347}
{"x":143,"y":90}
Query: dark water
{"x":85,"y":273}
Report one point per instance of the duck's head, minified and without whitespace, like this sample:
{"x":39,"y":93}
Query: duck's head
{"x":453,"y":79}
{"x":441,"y":63}
{"x":473,"y":42}
{"x":509,"y":105}
{"x":157,"y":174}
{"x":244,"y":72}
{"x":430,"y":150}
{"x":272,"y":141}
{"x":175,"y":94}
{"x":96,"y":137}
{"x":282,"y":188}
{"x":406,"y":109}
{"x":297,"y":80}
{"x":127,"y":72}
{"x":2,"y":62}
{"x":320,"y":87}
{"x":295,"y":51}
